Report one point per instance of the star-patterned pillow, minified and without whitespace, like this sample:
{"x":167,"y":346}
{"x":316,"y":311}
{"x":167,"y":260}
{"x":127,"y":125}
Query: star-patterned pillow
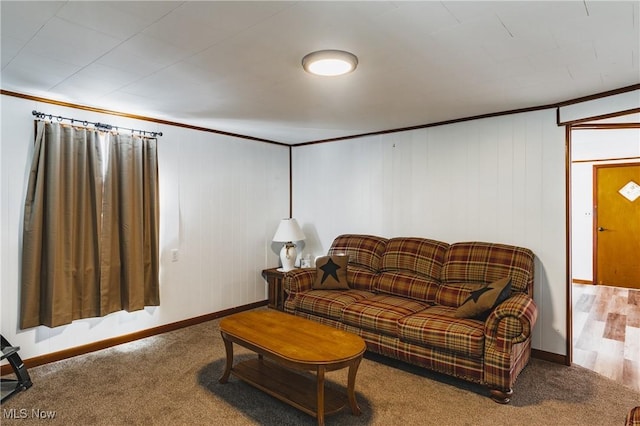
{"x":331,"y":273}
{"x":482,"y":301}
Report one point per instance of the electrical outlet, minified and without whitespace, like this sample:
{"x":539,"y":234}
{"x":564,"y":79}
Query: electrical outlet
{"x":174,"y":255}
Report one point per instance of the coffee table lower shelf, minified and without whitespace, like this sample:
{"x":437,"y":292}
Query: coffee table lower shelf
{"x":288,"y":386}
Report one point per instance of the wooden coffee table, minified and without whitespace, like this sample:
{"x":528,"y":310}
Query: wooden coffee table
{"x":285,"y":343}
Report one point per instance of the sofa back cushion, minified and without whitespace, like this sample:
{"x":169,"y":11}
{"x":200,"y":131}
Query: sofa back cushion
{"x":409,"y":285}
{"x":484,"y":263}
{"x":455,"y":294}
{"x":413,"y":255}
{"x":411,"y":267}
{"x":361,"y":278}
{"x":364,"y":251}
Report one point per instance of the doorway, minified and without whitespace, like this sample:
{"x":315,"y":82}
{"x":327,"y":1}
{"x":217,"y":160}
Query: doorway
{"x":604,"y":313}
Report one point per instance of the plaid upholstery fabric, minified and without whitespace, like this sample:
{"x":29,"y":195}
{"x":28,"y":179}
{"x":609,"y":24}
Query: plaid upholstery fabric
{"x":454,"y":294}
{"x":327,"y":321}
{"x":391,"y":305}
{"x":415,"y":255}
{"x":328,"y":303}
{"x":488,"y":262}
{"x":508,"y":340}
{"x":501,"y":372}
{"x":511,"y":322}
{"x":363,"y":250}
{"x":290,"y":306}
{"x":360,"y":278}
{"x":298,"y":280}
{"x":633,"y":418}
{"x":457,"y":335}
{"x":380,"y":313}
{"x":407,"y":285}
{"x":497,"y":370}
{"x":441,"y":310}
{"x":456,"y":365}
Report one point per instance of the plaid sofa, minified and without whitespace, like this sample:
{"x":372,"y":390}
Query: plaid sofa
{"x":402,"y":295}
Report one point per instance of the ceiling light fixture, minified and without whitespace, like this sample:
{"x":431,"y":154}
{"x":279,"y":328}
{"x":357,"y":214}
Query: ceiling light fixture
{"x":329,"y":62}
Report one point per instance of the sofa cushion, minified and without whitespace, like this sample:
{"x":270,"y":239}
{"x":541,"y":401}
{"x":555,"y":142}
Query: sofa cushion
{"x":380,"y":313}
{"x":363,"y":250}
{"x":406,"y":284}
{"x":419,"y":256}
{"x":481,"y":301}
{"x":360,"y":278}
{"x":331,"y":273}
{"x":328,"y":303}
{"x":435,"y":327}
{"x":454,"y":294}
{"x":478,"y":262}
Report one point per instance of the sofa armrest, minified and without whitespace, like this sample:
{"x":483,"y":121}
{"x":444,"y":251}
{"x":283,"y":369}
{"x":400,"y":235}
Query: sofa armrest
{"x":510,"y":322}
{"x":299,"y":280}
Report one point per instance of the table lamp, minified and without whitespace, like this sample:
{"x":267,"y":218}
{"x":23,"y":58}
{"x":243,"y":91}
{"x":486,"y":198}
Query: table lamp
{"x":288,"y":231}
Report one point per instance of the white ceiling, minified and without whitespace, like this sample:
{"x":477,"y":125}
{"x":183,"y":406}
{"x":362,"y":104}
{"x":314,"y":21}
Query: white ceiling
{"x":236,"y":66}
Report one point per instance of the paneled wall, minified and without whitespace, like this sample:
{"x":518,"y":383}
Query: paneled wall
{"x":499,"y":179}
{"x":221,"y":201}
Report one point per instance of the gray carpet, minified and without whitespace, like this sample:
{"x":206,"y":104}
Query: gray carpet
{"x":173,"y":379}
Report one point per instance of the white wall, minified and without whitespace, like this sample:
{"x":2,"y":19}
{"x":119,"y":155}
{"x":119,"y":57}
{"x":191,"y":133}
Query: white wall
{"x":499,"y":179}
{"x":221,"y":199}
{"x":588,"y":148}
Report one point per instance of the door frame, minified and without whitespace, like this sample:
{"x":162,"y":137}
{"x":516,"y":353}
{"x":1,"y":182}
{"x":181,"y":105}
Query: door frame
{"x":569,"y":128}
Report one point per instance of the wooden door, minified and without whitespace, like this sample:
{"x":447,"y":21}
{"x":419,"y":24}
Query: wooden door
{"x":617,"y":225}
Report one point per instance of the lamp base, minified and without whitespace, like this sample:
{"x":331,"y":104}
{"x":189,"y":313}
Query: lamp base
{"x":288,"y":256}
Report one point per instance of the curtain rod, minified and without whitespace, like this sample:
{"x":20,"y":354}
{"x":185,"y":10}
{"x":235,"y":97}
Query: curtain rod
{"x":99,"y":126}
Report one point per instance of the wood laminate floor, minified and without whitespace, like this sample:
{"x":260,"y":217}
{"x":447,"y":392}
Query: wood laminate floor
{"x":606,"y":331}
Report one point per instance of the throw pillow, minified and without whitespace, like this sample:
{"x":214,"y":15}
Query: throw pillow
{"x":331,"y":273}
{"x":482,"y":301}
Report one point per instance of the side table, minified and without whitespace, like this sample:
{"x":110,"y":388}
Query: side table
{"x":276,"y":289}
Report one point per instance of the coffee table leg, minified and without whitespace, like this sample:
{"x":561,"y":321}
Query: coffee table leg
{"x":228,"y":346}
{"x":320,"y":402}
{"x":351,"y":389}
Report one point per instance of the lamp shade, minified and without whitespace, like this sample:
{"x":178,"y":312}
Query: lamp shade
{"x":288,"y":230}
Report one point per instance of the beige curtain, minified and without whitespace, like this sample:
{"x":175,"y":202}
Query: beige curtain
{"x":60,"y":278}
{"x":90,"y":247}
{"x":130,"y":260}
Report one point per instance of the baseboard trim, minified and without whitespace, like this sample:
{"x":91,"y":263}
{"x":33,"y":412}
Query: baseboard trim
{"x":578,"y":281}
{"x":549,"y":356}
{"x":107,"y":343}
